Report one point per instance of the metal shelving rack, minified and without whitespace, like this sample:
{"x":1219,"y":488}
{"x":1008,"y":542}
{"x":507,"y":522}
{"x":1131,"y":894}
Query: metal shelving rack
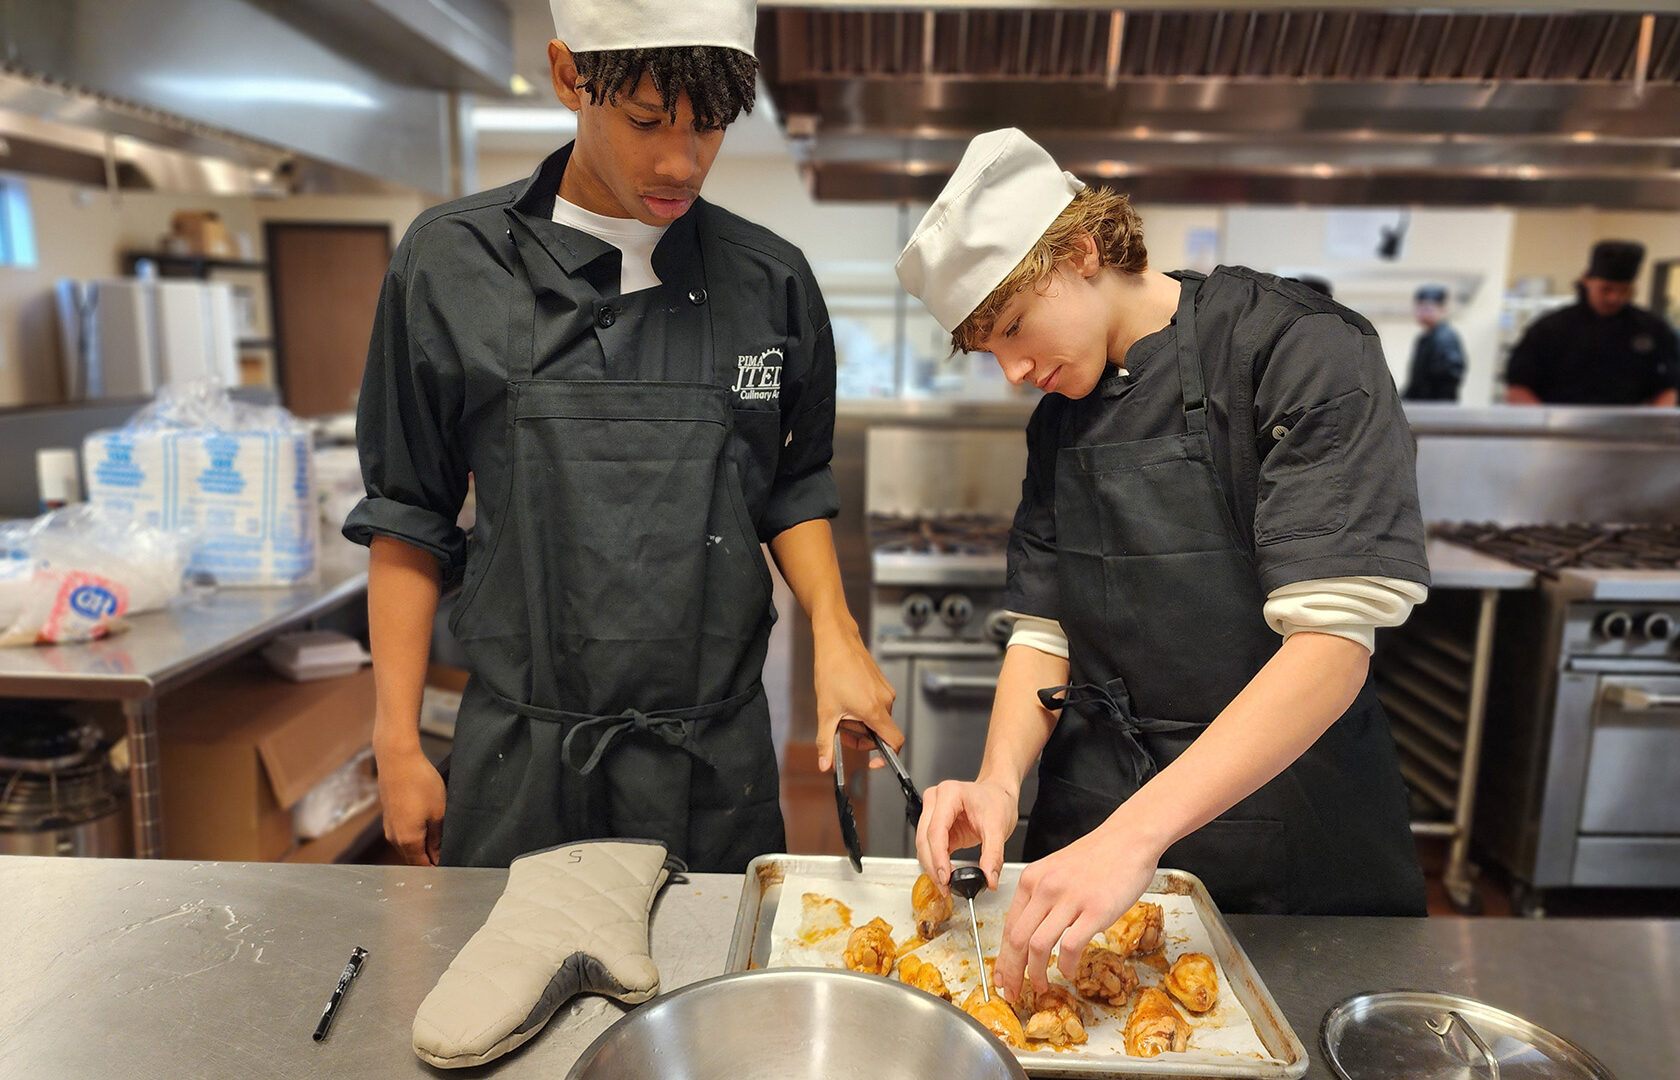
{"x":1431,"y":678}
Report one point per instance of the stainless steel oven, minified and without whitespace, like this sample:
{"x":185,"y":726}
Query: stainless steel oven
{"x":1580,"y":784}
{"x":938,"y":633}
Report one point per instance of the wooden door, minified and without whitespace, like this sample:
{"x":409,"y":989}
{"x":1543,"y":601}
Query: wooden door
{"x":324,"y":281}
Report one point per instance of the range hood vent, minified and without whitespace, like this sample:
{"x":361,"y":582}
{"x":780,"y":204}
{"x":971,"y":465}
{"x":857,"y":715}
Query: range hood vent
{"x":1266,"y":44}
{"x":1262,"y":105}
{"x":369,"y":87}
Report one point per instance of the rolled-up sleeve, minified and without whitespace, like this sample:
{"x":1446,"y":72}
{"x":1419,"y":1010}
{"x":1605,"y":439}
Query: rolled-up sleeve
{"x":804,"y":488}
{"x":1338,"y":480}
{"x":407,"y":415}
{"x":1030,"y":587}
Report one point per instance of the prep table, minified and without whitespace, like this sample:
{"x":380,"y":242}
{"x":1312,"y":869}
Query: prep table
{"x":162,"y":650}
{"x":184,"y":970}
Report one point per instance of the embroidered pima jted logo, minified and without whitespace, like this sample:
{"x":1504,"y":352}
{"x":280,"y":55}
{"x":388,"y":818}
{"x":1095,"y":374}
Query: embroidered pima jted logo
{"x":759,"y":377}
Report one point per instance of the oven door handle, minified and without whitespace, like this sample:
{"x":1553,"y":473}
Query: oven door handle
{"x":1638,"y":699}
{"x":937,"y":682}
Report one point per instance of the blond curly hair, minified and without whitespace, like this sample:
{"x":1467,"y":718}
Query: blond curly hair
{"x":1100,"y":213}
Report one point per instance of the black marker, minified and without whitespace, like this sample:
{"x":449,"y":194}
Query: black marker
{"x":351,"y":970}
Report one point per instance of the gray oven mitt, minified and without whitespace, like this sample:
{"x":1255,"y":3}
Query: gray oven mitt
{"x":572,"y":919}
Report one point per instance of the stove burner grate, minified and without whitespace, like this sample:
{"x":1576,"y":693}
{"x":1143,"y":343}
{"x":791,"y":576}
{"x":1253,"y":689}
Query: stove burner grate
{"x":944,"y":534}
{"x":1550,"y":548}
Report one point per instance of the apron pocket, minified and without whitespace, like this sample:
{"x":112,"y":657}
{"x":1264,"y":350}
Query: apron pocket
{"x":1243,"y":862}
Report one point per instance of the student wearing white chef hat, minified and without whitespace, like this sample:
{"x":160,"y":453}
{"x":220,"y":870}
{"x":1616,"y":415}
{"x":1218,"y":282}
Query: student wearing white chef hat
{"x":1219,"y":509}
{"x":641,"y":386}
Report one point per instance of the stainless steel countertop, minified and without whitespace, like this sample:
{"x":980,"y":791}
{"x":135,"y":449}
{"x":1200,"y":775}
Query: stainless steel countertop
{"x":162,"y":648}
{"x":1454,"y":566}
{"x":186,"y":970}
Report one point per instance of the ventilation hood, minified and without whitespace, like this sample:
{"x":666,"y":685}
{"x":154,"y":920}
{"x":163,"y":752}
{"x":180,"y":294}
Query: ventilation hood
{"x":247,"y":95}
{"x":1465,"y":104}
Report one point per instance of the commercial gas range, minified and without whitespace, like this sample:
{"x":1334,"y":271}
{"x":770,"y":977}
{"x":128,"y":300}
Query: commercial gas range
{"x":938,"y":634}
{"x":1581,"y":784}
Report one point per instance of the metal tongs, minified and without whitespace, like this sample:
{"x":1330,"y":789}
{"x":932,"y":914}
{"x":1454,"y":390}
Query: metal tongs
{"x":843,"y":801}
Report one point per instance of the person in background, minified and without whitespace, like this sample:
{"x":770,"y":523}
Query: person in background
{"x":1219,"y":510}
{"x":1437,"y":355}
{"x":641,"y":386}
{"x":1600,"y":350}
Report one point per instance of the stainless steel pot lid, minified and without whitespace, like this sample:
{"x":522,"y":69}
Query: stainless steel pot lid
{"x":1421,"y":1035}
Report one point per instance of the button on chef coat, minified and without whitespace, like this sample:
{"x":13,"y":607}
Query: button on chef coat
{"x":1309,"y":441}
{"x":1575,"y":356}
{"x":433,"y":404}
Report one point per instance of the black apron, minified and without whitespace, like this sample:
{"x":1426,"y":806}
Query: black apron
{"x":1161,"y":602}
{"x":624,"y":699}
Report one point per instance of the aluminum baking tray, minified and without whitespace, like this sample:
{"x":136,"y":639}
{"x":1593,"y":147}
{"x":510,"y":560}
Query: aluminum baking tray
{"x":749,"y":947}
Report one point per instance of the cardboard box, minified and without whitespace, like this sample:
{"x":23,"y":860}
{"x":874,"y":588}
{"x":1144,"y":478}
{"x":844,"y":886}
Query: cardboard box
{"x":240,"y":747}
{"x":201,"y":232}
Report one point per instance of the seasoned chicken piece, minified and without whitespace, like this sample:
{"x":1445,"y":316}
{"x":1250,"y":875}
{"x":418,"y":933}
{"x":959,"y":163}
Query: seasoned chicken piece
{"x":1104,"y":975}
{"x":1137,"y":931}
{"x":930,"y":909}
{"x":1155,"y":1025}
{"x":923,"y":976}
{"x":822,"y":917}
{"x":1053,"y":1015}
{"x":1194,"y":981}
{"x":870,"y":949}
{"x":998,"y":1017}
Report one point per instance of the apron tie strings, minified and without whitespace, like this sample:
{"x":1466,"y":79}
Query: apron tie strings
{"x":1100,"y":703}
{"x":674,"y":730}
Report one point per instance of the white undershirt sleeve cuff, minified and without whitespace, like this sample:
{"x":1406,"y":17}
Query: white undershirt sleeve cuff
{"x":1348,"y":607}
{"x":1045,"y":635}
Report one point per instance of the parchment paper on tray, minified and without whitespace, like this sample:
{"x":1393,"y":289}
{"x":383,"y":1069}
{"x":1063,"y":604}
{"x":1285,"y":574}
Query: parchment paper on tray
{"x":1225,"y":1031}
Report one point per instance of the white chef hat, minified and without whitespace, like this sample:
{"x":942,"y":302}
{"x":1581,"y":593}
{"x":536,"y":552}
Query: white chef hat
{"x":592,"y":25}
{"x":1006,"y":192}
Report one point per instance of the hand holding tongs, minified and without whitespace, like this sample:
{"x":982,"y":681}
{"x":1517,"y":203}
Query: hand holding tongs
{"x":843,"y":801}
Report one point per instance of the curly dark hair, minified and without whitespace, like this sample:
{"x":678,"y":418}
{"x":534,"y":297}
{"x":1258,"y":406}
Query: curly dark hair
{"x":720,"y":82}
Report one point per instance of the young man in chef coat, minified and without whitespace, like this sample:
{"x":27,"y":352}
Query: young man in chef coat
{"x":1220,"y":508}
{"x":641,"y":386}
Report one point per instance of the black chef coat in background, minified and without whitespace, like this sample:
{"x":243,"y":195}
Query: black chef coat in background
{"x":1437,"y":366}
{"x":1575,"y":356}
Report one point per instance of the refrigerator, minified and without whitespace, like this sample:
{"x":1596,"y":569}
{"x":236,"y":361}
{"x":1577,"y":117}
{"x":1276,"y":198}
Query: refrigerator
{"x":125,"y":337}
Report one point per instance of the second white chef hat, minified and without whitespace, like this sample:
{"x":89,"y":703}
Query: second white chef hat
{"x":1006,"y":192}
{"x":594,"y":25}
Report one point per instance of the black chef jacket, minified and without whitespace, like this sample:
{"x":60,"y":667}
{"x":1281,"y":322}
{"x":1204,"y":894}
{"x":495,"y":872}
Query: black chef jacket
{"x":1575,"y":356}
{"x":1437,"y":365}
{"x":433,"y":404}
{"x":1336,"y":498}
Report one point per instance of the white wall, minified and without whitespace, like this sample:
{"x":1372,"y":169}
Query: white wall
{"x":1440,"y":246}
{"x":80,"y":232}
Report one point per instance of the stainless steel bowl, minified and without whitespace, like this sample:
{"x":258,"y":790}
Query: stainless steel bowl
{"x":792,"y":1023}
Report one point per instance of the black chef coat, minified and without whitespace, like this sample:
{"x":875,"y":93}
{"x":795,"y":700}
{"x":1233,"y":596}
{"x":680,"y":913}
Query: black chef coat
{"x":1575,"y":356}
{"x":433,"y":405}
{"x":1313,"y":452}
{"x":1437,"y":365}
